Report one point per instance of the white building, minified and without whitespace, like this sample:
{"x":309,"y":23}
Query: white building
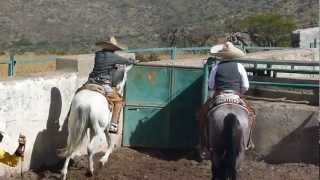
{"x":306,"y":38}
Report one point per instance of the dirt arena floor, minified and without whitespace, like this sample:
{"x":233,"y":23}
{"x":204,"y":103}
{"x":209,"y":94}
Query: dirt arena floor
{"x":130,"y":164}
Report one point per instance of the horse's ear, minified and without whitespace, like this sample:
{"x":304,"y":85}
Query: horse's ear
{"x":128,"y":67}
{"x":120,"y":85}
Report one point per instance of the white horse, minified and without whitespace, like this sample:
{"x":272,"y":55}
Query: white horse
{"x":89,"y":110}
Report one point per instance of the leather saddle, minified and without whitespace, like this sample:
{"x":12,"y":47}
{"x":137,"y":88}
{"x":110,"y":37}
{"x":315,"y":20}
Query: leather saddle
{"x":111,"y":98}
{"x":226,"y":97}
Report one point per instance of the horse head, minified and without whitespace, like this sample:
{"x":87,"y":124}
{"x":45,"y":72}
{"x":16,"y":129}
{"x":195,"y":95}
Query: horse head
{"x":120,"y":85}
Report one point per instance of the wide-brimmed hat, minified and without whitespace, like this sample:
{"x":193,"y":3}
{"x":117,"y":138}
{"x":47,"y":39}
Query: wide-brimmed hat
{"x":226,"y":51}
{"x":111,"y":44}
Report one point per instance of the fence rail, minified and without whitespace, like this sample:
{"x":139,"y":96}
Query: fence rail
{"x":12,"y":62}
{"x":265,"y":67}
{"x":270,"y":72}
{"x":286,"y":85}
{"x":267,"y":72}
{"x":173,"y":50}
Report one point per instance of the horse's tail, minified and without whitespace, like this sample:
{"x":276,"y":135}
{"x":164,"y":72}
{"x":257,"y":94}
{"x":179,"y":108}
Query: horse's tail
{"x":77,"y":127}
{"x":231,"y":125}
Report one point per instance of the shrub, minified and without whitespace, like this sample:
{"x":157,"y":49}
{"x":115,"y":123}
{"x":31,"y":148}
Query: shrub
{"x":264,"y":29}
{"x":147,"y":57}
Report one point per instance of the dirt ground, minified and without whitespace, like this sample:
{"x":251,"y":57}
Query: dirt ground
{"x":131,"y":164}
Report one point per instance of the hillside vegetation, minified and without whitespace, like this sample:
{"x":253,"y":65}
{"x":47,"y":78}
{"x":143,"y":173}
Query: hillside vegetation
{"x":74,"y":25}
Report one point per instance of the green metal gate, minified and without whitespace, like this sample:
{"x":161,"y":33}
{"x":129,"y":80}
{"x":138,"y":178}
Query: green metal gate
{"x":161,"y":103}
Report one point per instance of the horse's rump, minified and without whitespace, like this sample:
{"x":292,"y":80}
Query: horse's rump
{"x":86,"y":106}
{"x":216,"y":122}
{"x":112,"y":98}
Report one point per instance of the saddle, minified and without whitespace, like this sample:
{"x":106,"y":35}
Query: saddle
{"x":93,"y":87}
{"x":112,"y":98}
{"x":220,"y":98}
{"x":231,"y":97}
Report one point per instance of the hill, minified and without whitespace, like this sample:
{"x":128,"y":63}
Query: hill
{"x":74,"y":25}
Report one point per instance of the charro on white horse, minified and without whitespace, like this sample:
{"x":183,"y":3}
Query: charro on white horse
{"x":90,"y":111}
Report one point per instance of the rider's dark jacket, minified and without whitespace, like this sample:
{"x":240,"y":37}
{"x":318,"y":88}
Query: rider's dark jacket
{"x":105,"y":67}
{"x":229,"y":75}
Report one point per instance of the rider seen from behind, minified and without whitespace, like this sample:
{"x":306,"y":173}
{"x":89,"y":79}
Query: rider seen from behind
{"x":228,"y":81}
{"x":107,"y":74}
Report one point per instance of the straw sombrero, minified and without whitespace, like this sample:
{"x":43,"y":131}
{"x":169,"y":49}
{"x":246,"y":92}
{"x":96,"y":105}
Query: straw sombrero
{"x":226,"y":51}
{"x":111,"y":44}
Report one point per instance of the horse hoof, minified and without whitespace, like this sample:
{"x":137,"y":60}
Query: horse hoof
{"x":63,"y":177}
{"x":89,"y":173}
{"x":101,"y":164}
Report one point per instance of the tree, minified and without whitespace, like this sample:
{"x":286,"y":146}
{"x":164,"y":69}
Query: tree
{"x":265,"y":29}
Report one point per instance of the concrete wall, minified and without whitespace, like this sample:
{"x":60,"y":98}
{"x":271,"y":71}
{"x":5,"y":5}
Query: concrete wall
{"x":286,"y":133}
{"x":37,"y":108}
{"x":302,"y":54}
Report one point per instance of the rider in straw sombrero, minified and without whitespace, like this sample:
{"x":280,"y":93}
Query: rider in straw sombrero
{"x":226,"y":51}
{"x":227,"y":76}
{"x":104,"y":73}
{"x":110,"y":45}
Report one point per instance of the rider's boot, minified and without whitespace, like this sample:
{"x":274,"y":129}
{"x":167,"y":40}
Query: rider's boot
{"x":115,"y":117}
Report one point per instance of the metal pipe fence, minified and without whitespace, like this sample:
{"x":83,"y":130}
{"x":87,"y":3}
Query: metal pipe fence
{"x":172,"y":51}
{"x":13,"y":62}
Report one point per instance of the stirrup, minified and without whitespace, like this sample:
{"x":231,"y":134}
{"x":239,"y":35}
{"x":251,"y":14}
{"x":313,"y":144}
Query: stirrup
{"x":21,"y":148}
{"x":113,"y":128}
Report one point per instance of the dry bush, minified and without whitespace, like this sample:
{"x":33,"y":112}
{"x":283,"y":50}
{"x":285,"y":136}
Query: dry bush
{"x":23,"y":69}
{"x":3,"y":71}
{"x":148,"y":57}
